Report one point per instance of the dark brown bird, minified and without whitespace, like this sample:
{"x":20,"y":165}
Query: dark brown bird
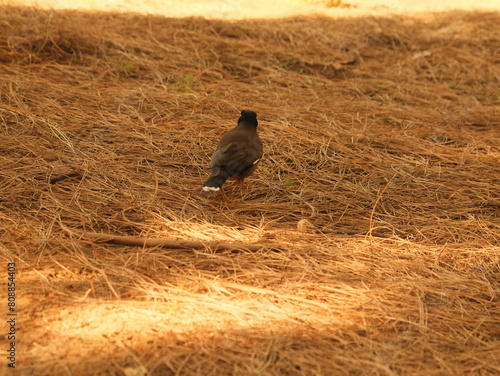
{"x":237,"y":154}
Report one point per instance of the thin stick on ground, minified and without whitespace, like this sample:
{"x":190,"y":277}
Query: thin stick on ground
{"x":167,"y":243}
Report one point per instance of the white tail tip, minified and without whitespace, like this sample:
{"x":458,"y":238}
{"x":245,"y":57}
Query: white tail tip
{"x":206,"y":189}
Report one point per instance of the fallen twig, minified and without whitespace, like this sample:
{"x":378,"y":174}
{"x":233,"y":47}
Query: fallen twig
{"x":167,"y":243}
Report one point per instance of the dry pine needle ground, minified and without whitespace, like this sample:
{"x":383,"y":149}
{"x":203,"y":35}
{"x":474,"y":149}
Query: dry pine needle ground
{"x":380,"y":185}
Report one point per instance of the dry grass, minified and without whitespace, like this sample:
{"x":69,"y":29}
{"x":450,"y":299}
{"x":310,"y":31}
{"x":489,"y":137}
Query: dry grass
{"x":380,"y":185}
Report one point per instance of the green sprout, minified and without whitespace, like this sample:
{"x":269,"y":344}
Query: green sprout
{"x":184,"y":84}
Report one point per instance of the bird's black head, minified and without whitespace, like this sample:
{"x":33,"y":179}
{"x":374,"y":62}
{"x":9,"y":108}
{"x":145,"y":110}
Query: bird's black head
{"x":248,"y":118}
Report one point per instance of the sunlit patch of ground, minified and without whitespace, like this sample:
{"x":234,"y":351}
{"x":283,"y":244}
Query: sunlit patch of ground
{"x":241,"y":9}
{"x":377,"y":199}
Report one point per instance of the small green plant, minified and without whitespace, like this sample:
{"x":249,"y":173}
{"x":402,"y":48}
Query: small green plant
{"x":126,"y":69}
{"x":288,"y":182}
{"x":266,"y":172}
{"x":129,"y":66}
{"x":217,"y":95}
{"x":184,"y":84}
{"x":295,"y":65}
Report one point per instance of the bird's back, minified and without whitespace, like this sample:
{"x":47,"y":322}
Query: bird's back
{"x":237,"y":153}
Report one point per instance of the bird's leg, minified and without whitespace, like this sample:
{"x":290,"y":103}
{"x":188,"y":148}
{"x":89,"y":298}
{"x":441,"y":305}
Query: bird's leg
{"x":240,"y":182}
{"x":223,"y":194}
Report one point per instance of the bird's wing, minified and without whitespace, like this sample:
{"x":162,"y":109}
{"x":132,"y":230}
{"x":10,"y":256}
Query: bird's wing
{"x":235,"y":158}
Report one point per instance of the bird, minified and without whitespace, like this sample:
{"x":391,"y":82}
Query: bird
{"x":237,"y":154}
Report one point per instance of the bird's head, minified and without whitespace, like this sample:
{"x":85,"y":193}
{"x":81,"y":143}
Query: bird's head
{"x":248,"y":118}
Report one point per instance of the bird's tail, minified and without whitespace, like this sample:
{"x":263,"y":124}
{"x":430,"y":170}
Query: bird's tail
{"x":214,"y":182}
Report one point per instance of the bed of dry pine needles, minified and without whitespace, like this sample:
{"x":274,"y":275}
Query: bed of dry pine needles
{"x":377,"y":202}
